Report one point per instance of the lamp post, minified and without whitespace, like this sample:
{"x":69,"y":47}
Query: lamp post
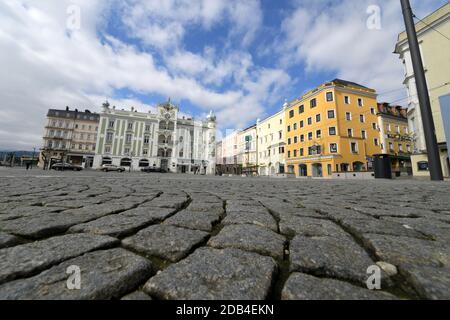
{"x":422,"y":91}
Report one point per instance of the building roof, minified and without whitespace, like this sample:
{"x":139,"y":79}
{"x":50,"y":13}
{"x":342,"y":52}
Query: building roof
{"x":346,"y":83}
{"x":73,"y":114}
{"x":430,"y":19}
{"x":392,"y":111}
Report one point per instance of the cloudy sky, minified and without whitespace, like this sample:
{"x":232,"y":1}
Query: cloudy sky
{"x":239,"y":58}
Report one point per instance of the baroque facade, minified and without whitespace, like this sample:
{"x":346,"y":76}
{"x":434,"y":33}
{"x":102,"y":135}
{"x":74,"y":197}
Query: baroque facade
{"x":161,"y":140}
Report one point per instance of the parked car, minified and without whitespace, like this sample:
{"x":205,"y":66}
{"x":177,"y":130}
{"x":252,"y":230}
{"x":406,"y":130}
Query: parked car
{"x":151,"y":169}
{"x":66,"y":166}
{"x":111,"y":167}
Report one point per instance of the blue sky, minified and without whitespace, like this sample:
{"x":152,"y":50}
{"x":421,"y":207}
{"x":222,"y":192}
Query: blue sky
{"x":239,"y":58}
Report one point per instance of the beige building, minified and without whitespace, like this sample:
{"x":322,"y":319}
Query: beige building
{"x":271,"y":145}
{"x":69,"y":136}
{"x":248,"y":150}
{"x":435,"y":50}
{"x":395,"y":138}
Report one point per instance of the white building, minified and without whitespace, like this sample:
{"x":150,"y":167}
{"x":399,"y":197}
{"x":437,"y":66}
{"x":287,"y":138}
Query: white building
{"x":162,"y":140}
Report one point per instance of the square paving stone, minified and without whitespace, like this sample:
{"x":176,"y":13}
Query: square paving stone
{"x":291,"y":225}
{"x":264,"y":220}
{"x":7,"y":240}
{"x":211,"y":274}
{"x":125,"y":223}
{"x":104,"y":275}
{"x":250,"y":238}
{"x":301,"y":286}
{"x":405,"y":250}
{"x":26,"y":259}
{"x":165,"y":241}
{"x":430,"y":282}
{"x":329,"y":256}
{"x":204,"y":221}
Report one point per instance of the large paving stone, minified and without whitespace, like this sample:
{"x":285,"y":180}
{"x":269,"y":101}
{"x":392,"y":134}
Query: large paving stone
{"x":211,"y":274}
{"x":24,"y":260}
{"x":264,"y":220}
{"x":429,"y":282}
{"x":250,"y":238}
{"x":292,"y":225}
{"x":39,"y":226}
{"x":165,"y":241}
{"x":204,"y":221}
{"x":329,"y":256}
{"x":405,"y":250}
{"x":136,"y":296}
{"x":361,"y":226}
{"x":301,"y":286}
{"x":7,"y":240}
{"x":125,"y":223}
{"x":104,"y":275}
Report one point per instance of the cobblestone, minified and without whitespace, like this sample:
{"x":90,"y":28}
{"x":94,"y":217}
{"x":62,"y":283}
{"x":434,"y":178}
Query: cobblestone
{"x":151,"y":236}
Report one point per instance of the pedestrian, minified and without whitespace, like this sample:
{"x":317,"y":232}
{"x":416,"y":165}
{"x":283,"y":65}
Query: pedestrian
{"x":28,"y":166}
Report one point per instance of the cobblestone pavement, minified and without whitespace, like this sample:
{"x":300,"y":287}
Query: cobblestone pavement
{"x":138,"y":236}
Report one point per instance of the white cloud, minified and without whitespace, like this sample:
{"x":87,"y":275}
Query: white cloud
{"x":49,"y":67}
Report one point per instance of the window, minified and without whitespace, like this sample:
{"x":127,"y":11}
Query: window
{"x":130,"y":126}
{"x":301,"y":109}
{"x":348,"y":116}
{"x":374,"y":126}
{"x":332,"y":131}
{"x":127,"y":151}
{"x":295,"y":139}
{"x":50,"y":144}
{"x":181,"y":154}
{"x":107,"y":149}
{"x":302,"y":138}
{"x":360,"y":102}
{"x":111,"y":124}
{"x":295,"y":153}
{"x":280,"y":135}
{"x":289,"y":128}
{"x":397,"y":129}
{"x":281,"y":121}
{"x":350,"y":132}
{"x":314,"y":150}
{"x":309,"y":121}
{"x":313,"y":103}
{"x":147,"y":127}
{"x":281,"y":150}
{"x":302,"y":124}
{"x":128,"y":138}
{"x":291,"y":114}
{"x":317,"y":117}
{"x":319,"y":134}
{"x":331,"y":114}
{"x":310,"y":136}
{"x":333,"y":148}
{"x":145,"y":152}
{"x":347,"y":100}
{"x":329,"y":169}
{"x":363,"y":134}
{"x":302,"y":152}
{"x":362,"y":119}
{"x":329,"y":96}
{"x":372,"y":110}
{"x":109,"y":137}
{"x":289,"y":141}
{"x":289,"y":153}
{"x":354,"y":147}
{"x":376,"y":142}
{"x":295,"y":126}
{"x":146,"y":139}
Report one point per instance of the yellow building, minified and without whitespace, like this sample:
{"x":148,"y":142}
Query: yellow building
{"x":331,"y":129}
{"x":395,"y":137}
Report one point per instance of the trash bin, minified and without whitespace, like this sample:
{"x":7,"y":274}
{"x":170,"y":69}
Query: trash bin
{"x":382,"y":166}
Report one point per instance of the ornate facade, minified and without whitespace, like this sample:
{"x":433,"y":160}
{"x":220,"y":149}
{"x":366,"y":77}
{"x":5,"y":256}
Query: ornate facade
{"x":161,"y":140}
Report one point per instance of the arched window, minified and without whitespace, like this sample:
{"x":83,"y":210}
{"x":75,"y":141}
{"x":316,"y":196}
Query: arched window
{"x":106,"y":160}
{"x":144,"y":163}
